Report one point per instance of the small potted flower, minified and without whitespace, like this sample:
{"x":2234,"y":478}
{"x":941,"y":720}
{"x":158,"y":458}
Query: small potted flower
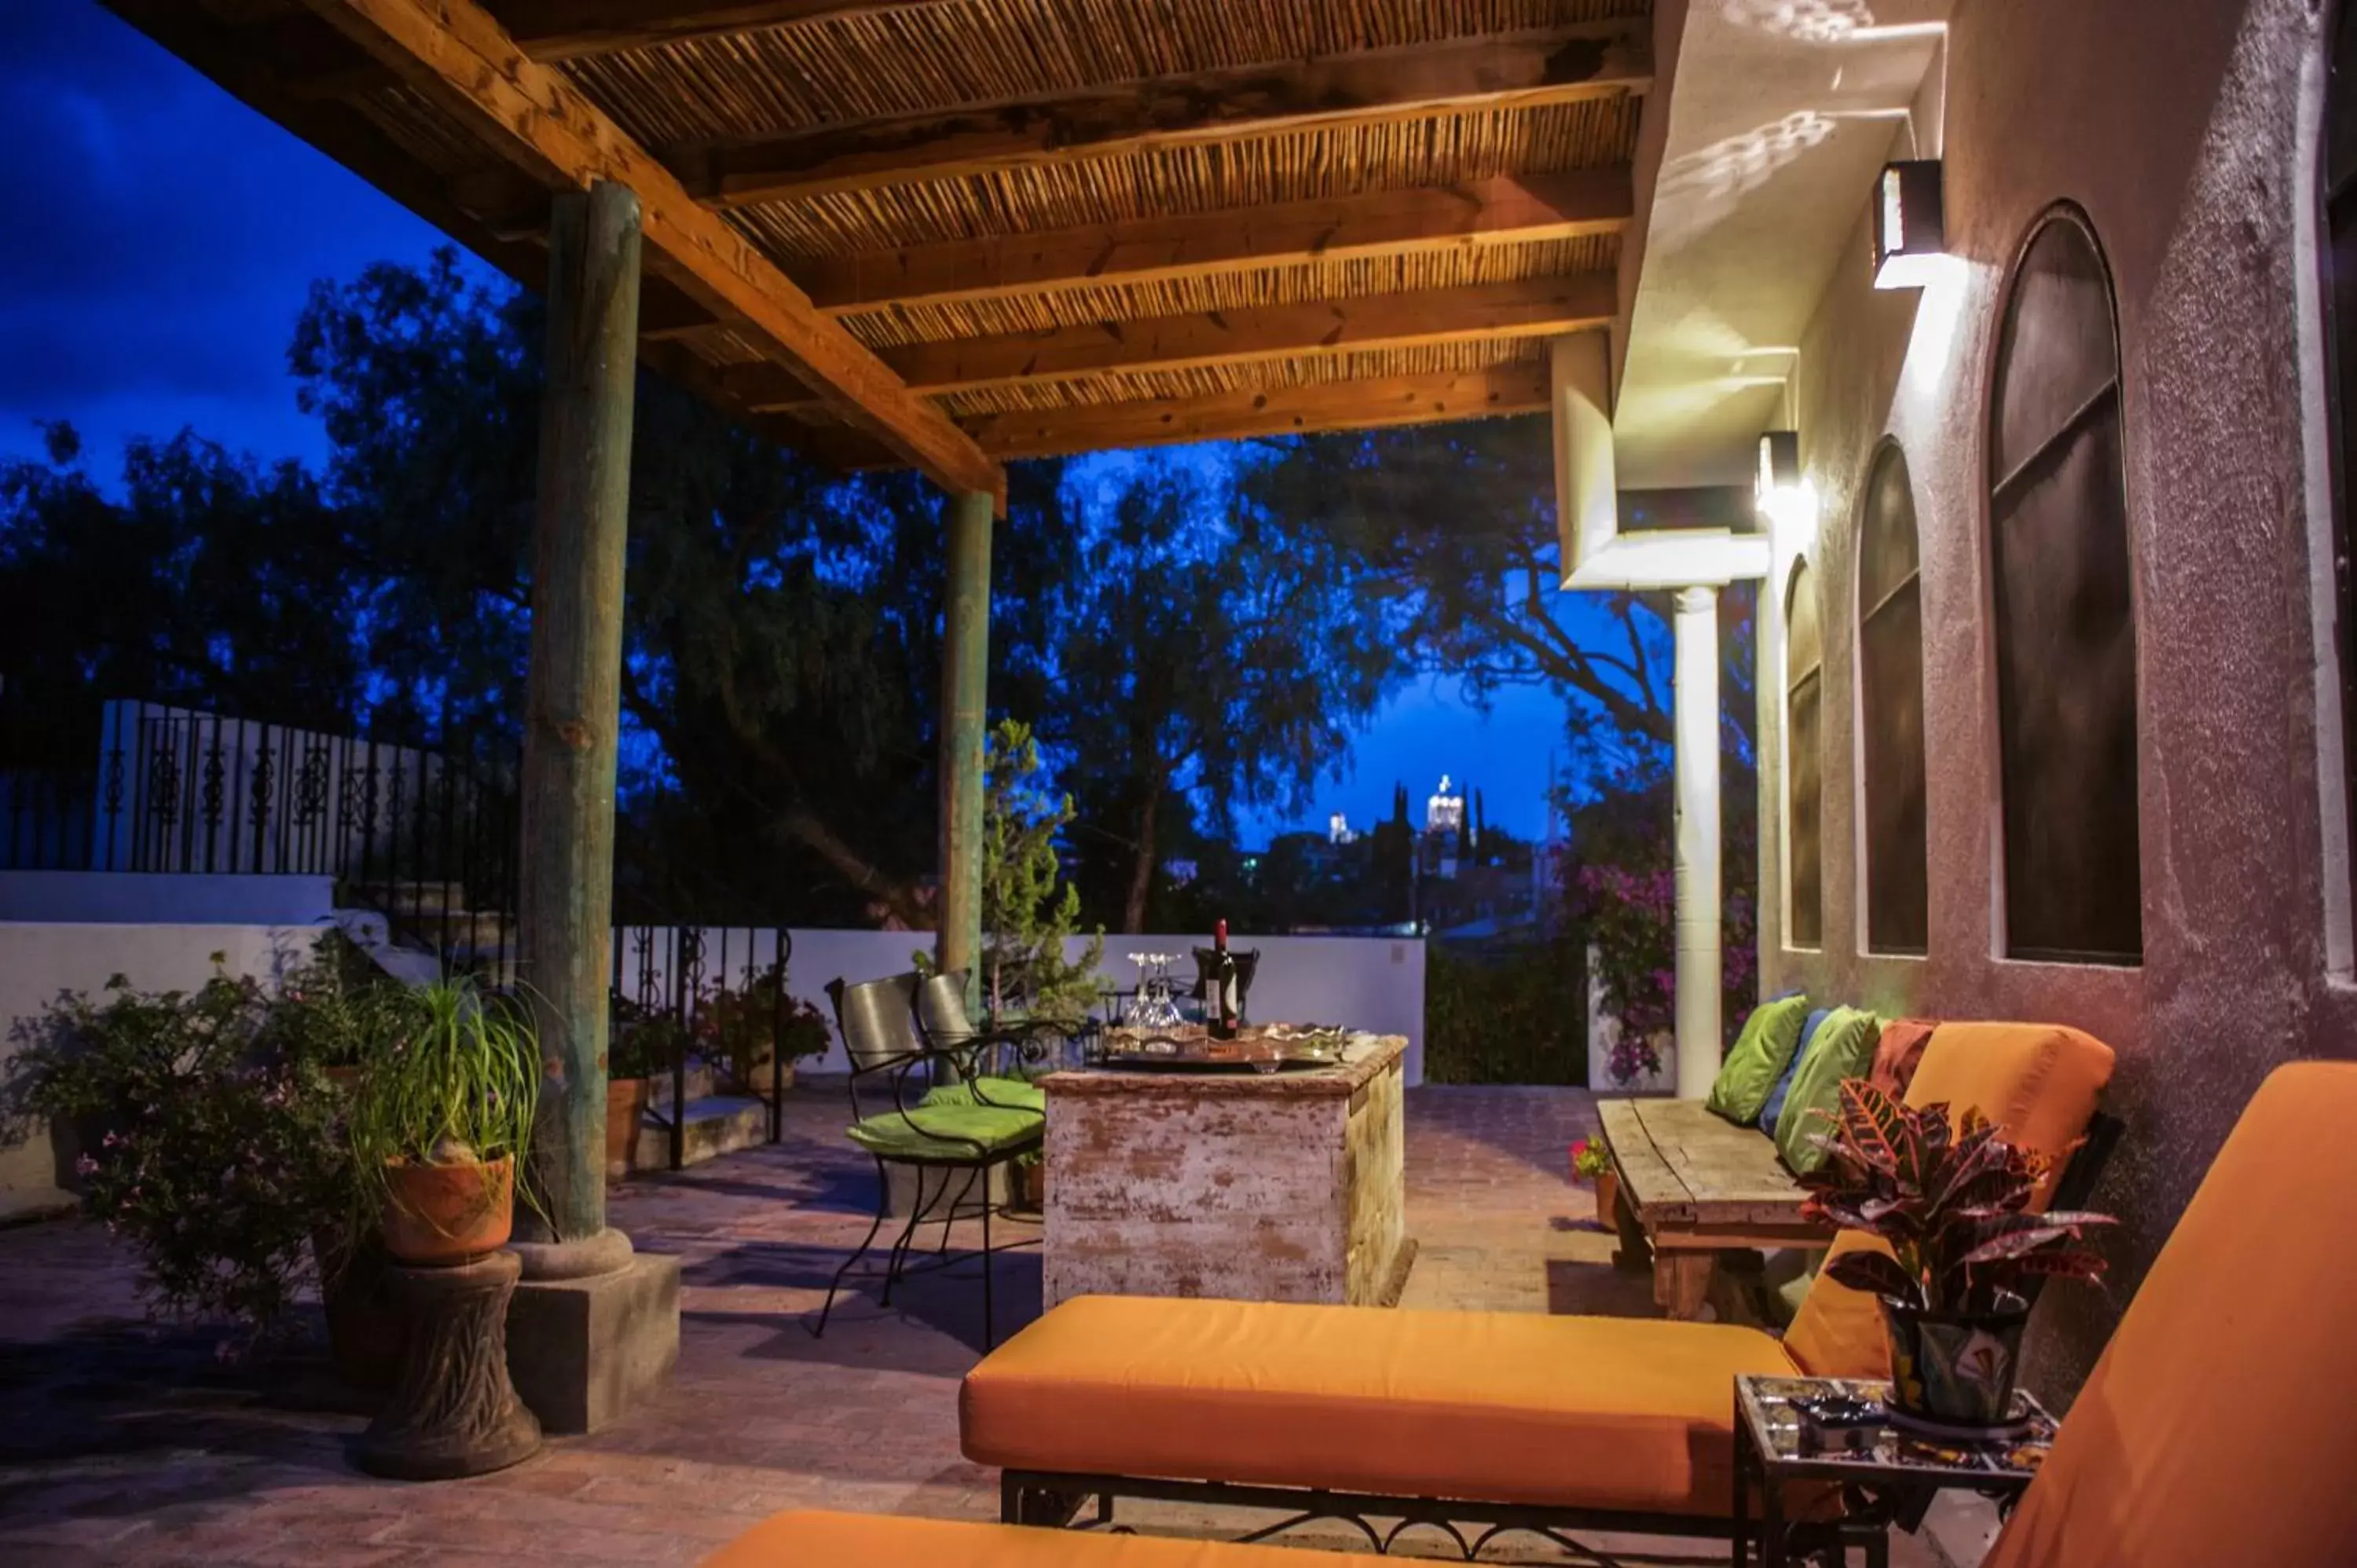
{"x":641,"y":1046}
{"x":1953,"y":1205}
{"x":1592,"y":1161}
{"x":441,"y":1122}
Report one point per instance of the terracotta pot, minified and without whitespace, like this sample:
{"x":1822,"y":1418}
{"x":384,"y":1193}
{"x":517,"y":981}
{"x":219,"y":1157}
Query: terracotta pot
{"x":626,"y":1109}
{"x":448,"y":1214}
{"x":1035,"y":1186}
{"x":1607,"y":1198}
{"x":1957,"y":1369}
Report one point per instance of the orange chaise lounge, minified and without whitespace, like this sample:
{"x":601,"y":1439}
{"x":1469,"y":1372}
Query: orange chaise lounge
{"x":2216,"y":1432}
{"x":1512,"y":1419}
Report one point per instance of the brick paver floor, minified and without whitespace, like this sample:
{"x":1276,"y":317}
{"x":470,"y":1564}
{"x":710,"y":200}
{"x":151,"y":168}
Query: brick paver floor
{"x":126,"y":1444}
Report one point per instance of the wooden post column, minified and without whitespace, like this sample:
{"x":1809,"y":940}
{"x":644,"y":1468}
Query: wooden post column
{"x":572,"y":710}
{"x":965,"y":674}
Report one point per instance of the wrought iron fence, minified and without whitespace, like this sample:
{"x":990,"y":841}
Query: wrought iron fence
{"x":426,"y":838}
{"x":714,"y":998}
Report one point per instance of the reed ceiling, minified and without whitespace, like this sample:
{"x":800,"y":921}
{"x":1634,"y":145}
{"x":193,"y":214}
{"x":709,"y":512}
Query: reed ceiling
{"x":1189,"y":202}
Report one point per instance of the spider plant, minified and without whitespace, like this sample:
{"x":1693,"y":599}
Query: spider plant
{"x":454,"y":1082}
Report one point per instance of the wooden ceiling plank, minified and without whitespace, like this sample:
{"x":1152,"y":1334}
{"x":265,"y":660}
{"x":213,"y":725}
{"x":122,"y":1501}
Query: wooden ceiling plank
{"x":1368,"y":404}
{"x":1522,"y":308}
{"x":1505,"y":209}
{"x":455,"y":54}
{"x":1505,"y":71}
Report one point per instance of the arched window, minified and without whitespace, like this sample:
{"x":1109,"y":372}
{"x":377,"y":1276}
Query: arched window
{"x":2065,"y":623}
{"x":1890,"y":702}
{"x":2340,"y":188}
{"x":1804,"y":768}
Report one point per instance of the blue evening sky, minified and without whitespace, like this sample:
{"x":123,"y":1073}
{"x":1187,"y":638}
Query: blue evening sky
{"x":167,"y":236}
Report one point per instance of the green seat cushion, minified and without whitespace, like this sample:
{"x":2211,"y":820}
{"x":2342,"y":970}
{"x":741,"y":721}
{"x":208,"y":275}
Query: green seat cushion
{"x":947,"y":1132}
{"x":1750,"y":1073}
{"x":1844,"y":1048}
{"x":1019,"y":1093}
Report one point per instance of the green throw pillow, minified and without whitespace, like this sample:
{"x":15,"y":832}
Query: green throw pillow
{"x":1750,"y":1073}
{"x":1844,"y":1048}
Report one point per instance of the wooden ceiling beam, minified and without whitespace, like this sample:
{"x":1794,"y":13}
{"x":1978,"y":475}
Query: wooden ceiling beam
{"x":1506,"y":210}
{"x":1525,"y":308}
{"x":1264,"y":411}
{"x":1504,"y":70}
{"x":1534,"y":307}
{"x":457,"y":55}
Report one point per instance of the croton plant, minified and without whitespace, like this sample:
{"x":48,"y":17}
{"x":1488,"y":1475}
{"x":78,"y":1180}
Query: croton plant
{"x":1952,"y":1198}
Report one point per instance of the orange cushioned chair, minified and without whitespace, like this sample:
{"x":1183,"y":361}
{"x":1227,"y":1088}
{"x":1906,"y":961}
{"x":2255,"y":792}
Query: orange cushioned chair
{"x":1565,"y":1422}
{"x":2216,"y":1432}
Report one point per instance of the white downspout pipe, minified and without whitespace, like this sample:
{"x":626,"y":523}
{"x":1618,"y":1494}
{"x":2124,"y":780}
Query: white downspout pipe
{"x":1697,"y":563}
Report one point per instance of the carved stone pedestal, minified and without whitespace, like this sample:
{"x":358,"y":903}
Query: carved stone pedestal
{"x":454,"y":1412}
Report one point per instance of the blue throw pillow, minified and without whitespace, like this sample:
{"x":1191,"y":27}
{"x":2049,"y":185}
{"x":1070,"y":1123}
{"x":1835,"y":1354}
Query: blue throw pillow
{"x":1775,"y":1106}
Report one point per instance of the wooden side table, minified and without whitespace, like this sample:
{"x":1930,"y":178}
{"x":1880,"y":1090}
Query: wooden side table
{"x":1891,"y":1482}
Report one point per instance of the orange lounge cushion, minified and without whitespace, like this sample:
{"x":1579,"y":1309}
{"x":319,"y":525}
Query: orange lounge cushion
{"x":2220,"y":1423}
{"x":2039,"y":1082}
{"x":808,"y":1538}
{"x":1499,"y":1407}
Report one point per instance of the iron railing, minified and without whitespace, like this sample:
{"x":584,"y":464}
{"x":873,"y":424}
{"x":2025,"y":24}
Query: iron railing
{"x":713,"y":995}
{"x":426,"y":838}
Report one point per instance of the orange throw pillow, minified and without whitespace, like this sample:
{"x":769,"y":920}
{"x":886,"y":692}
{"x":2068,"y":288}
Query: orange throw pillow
{"x":1898,"y":1054}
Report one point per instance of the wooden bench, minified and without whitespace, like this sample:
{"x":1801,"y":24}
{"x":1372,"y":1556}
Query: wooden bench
{"x":1694,"y":1184}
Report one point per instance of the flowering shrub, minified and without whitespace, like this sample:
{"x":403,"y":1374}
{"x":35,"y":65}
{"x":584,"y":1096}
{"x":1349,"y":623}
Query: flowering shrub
{"x":1630,"y":916}
{"x":214,"y":1154}
{"x":1590,"y":1158}
{"x":745,"y":1022}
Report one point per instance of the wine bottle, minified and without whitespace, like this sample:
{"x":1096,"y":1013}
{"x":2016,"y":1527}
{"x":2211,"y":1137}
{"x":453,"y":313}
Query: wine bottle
{"x":1224,"y":1008}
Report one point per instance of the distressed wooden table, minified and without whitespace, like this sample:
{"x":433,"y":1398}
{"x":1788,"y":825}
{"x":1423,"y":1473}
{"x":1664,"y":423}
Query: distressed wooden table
{"x":1251,"y":1187}
{"x":1693,"y":1185}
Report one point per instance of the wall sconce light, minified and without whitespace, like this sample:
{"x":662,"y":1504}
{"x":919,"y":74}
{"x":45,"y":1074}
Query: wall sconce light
{"x":1910,"y":224}
{"x":1783,"y":495}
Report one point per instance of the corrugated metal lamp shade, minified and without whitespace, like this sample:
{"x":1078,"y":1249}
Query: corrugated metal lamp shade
{"x":1910,"y":227}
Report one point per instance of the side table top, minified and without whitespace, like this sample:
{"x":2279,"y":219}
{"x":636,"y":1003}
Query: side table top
{"x":1766,"y":1405}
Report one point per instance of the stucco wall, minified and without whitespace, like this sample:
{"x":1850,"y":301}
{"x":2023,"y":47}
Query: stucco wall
{"x":2183,"y":128}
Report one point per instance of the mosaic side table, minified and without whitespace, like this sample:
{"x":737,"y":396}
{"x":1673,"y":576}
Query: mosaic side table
{"x":1889,"y":1481}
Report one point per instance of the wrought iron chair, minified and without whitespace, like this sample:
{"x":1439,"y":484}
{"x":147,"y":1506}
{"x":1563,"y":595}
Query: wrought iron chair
{"x":956,"y":1115}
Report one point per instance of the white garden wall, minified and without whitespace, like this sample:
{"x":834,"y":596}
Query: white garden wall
{"x":1374,"y":984}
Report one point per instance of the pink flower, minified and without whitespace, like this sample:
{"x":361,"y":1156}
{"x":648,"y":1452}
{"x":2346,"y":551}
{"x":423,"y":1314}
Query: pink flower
{"x":88,"y":1166}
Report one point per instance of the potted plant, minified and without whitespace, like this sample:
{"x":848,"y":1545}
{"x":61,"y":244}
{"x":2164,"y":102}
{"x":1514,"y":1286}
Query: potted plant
{"x":749,"y":1025}
{"x":1953,"y":1203}
{"x":641,"y":1043}
{"x":441,"y":1122}
{"x":1592,"y":1161}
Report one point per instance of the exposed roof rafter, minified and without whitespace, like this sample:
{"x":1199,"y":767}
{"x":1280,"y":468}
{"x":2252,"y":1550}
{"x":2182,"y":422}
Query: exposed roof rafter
{"x":1505,"y":209}
{"x":455,"y":54}
{"x":1532,"y":307}
{"x":1365,"y":404}
{"x":1516,"y":71}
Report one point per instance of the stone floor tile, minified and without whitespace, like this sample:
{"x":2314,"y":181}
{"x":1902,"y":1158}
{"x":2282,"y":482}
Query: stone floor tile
{"x":128,"y":1443}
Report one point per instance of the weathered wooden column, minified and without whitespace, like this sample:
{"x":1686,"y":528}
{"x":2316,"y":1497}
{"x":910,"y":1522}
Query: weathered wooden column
{"x":1695,"y":718}
{"x":592,"y":1327}
{"x":965,"y":679}
{"x":573,"y":694}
